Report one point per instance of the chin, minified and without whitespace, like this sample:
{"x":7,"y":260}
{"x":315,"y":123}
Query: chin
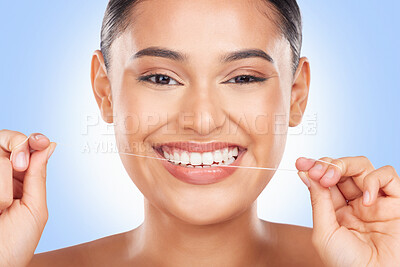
{"x":209,"y":211}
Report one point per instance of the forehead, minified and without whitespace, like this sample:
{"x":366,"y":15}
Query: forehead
{"x":202,"y":26}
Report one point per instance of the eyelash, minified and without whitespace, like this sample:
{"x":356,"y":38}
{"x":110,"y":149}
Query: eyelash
{"x":147,"y":78}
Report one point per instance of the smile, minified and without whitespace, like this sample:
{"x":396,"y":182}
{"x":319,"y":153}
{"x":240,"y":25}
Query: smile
{"x":200,"y":163}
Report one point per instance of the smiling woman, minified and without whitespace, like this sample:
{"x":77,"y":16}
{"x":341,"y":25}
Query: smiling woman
{"x":204,"y":81}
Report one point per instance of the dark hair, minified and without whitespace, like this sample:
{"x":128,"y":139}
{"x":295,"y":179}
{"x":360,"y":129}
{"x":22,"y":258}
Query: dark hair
{"x":116,"y":21}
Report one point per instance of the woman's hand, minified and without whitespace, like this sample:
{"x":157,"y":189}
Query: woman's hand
{"x":23,"y":206}
{"x":356,"y":211}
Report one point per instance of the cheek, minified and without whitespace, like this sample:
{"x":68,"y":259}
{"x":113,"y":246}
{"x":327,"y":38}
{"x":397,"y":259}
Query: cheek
{"x":140,"y":111}
{"x":263,"y":115}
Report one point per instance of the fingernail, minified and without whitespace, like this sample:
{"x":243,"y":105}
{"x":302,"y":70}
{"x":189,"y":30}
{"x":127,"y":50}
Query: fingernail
{"x":329,"y":174}
{"x":317,"y":167}
{"x":20,"y":160}
{"x":39,"y":136}
{"x":51,"y":151}
{"x":304,"y":178}
{"x":366,"y":197}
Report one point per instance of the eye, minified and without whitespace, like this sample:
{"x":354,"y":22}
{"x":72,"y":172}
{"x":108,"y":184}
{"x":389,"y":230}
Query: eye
{"x":243,"y":79}
{"x":159,"y":79}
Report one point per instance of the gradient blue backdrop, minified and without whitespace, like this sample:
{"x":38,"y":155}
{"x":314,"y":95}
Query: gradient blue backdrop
{"x":46,"y":48}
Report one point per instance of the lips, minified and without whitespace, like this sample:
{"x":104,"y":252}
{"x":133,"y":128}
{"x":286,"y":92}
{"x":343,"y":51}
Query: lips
{"x":200,"y":163}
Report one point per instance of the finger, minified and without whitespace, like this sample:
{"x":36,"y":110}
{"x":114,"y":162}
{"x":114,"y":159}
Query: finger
{"x":384,"y":178}
{"x":304,"y":164}
{"x":22,"y":151}
{"x":15,"y":143}
{"x":349,"y":189}
{"x":6,"y":187}
{"x":319,"y":169}
{"x":333,"y":173}
{"x":38,"y":141}
{"x":337,"y":198}
{"x":356,"y":168}
{"x":324,"y":216}
{"x":342,"y":168}
{"x":382,"y":210}
{"x":34,"y":185}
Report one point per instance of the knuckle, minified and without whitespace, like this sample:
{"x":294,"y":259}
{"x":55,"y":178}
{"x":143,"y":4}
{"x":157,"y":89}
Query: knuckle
{"x":362,"y":158}
{"x":326,"y":159}
{"x":365,"y":160}
{"x":365,"y":165}
{"x":389,"y":168}
{"x":338,"y":162}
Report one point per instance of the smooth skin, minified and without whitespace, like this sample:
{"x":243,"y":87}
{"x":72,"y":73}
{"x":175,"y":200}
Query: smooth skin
{"x":215,"y":225}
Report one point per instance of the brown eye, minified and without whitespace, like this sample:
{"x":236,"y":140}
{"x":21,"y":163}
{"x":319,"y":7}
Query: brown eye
{"x":243,"y":79}
{"x":162,"y":79}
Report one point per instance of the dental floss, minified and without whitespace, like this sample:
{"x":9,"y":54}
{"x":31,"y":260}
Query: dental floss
{"x":241,"y":167}
{"x":224,"y":166}
{"x":19,"y":145}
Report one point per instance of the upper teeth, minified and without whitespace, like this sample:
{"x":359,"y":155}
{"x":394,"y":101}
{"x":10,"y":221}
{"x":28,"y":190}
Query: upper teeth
{"x":223,"y":156}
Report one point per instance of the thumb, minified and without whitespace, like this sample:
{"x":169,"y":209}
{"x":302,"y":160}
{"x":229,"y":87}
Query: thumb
{"x":34,"y":187}
{"x":324,"y":215}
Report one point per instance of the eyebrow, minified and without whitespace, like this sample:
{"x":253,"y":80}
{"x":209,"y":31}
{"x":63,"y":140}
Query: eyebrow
{"x":160,"y":52}
{"x":178,"y":56}
{"x":247,"y":53}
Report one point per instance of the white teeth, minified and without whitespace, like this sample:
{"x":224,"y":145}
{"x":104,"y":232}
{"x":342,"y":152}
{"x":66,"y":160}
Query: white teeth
{"x":218,"y":156}
{"x":166,"y":155}
{"x":195,"y":158}
{"x":230,"y":161}
{"x":177,"y":158}
{"x":235,"y":151}
{"x":207,"y":158}
{"x":185,"y":157}
{"x":225,"y":154}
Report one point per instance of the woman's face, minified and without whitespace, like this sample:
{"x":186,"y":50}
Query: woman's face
{"x":203,"y":103}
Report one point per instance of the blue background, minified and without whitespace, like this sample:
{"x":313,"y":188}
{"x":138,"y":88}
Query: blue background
{"x":46,"y":48}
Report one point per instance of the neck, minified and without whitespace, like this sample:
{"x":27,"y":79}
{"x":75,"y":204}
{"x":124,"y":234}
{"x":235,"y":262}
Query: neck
{"x":234,"y":242}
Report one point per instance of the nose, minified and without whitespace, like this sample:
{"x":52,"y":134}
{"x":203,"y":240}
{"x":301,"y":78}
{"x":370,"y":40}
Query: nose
{"x":201,"y":110}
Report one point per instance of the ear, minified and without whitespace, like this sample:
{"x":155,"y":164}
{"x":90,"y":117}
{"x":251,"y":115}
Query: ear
{"x":101,"y":86}
{"x":300,"y":90}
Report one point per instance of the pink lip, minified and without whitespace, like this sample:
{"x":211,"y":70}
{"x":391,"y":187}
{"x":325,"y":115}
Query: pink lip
{"x":201,"y":176}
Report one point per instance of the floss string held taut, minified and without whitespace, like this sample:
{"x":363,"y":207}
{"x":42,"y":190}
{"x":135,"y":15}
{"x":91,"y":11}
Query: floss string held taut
{"x":224,"y":166}
{"x":240,"y":167}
